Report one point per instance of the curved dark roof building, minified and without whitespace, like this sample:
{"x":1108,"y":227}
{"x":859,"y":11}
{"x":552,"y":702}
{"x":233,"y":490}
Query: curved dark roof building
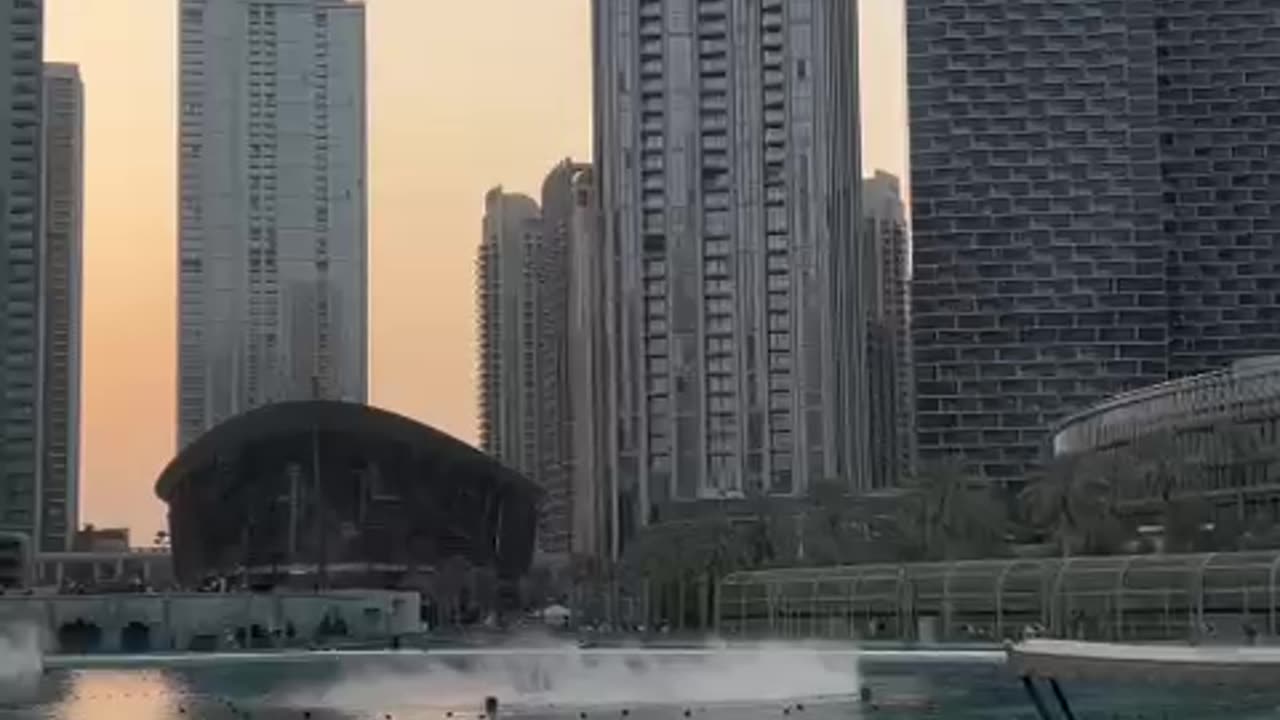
{"x":338,"y":492}
{"x":1220,"y":426}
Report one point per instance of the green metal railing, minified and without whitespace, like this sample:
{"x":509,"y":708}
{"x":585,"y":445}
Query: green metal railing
{"x":1119,"y":598}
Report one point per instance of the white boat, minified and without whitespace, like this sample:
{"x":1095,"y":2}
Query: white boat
{"x":1053,"y":661}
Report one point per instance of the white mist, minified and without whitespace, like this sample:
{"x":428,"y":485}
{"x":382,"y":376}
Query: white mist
{"x":21,"y":662}
{"x":569,"y":677}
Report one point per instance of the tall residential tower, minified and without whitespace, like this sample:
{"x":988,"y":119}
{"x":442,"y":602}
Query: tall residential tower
{"x":63,"y":225}
{"x":886,"y":269}
{"x":273,"y":250}
{"x":506,"y":313}
{"x":554,"y":282}
{"x":727,"y":171}
{"x":21,"y":208}
{"x":591,"y":484}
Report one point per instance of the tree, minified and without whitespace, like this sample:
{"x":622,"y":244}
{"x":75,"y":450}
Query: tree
{"x":759,"y":540}
{"x":683,"y":560}
{"x":947,"y":514}
{"x":839,"y":529}
{"x":827,"y":531}
{"x":1073,"y":502}
{"x":484,"y":589}
{"x":451,"y":586}
{"x":536,"y":588}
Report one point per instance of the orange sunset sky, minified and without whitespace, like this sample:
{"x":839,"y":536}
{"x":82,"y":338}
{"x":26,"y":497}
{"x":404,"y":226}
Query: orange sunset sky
{"x":463,"y":95}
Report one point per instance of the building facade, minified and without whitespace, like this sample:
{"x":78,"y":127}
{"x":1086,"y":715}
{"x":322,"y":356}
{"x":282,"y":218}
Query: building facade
{"x":1216,"y":435}
{"x":21,"y":66}
{"x":591,"y":484}
{"x":272,"y":231}
{"x":538,"y":307}
{"x":1216,"y":97}
{"x":1091,"y":208}
{"x":63,"y":227}
{"x":341,"y":494}
{"x":561,"y":225}
{"x":891,"y":389}
{"x":508,"y":330}
{"x":727,"y":172}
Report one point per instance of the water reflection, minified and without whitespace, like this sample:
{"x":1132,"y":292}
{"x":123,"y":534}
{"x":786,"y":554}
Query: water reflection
{"x":116,"y":695}
{"x":772,"y":684}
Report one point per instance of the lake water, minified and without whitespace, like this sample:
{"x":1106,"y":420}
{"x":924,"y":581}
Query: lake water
{"x":545,"y":684}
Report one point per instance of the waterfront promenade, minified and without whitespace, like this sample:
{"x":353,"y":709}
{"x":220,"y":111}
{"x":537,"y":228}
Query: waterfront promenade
{"x":144,"y":622}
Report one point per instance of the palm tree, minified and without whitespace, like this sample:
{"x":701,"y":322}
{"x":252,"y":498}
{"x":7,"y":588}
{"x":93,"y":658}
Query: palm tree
{"x":657,"y":560}
{"x":758,"y":532}
{"x":715,"y":547}
{"x":680,"y":559}
{"x":1074,"y":502}
{"x":949,"y":514}
{"x":827,"y":532}
{"x":451,"y":586}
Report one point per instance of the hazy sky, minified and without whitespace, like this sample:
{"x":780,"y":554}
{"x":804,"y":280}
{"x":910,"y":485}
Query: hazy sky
{"x":463,"y":95}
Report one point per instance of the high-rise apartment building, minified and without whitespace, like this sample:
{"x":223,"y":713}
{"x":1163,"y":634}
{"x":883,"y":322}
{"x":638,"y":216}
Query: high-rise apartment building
{"x":727,"y":171}
{"x":508,"y":330}
{"x":552,"y":268}
{"x":890,"y":387}
{"x":21,"y":67}
{"x":1093,"y":208}
{"x":530,"y":305}
{"x":586,"y":344}
{"x":273,"y":257}
{"x":63,"y":228}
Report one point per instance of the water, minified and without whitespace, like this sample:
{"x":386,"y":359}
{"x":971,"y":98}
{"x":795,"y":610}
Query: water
{"x":771,"y":681}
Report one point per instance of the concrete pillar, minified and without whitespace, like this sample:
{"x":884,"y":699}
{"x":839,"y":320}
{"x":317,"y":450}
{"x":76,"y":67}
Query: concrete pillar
{"x":111,"y":623}
{"x":167,"y":637}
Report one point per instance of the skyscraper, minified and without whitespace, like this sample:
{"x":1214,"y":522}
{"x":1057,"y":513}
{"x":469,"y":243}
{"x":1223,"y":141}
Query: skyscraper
{"x":525,"y":299}
{"x":21,"y":35}
{"x":508,"y":330}
{"x":553,"y":280}
{"x":273,"y":251}
{"x":573,"y":373}
{"x":1093,"y":208}
{"x":589,"y":380}
{"x":62,"y":304}
{"x":727,"y":172}
{"x":891,"y":391}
